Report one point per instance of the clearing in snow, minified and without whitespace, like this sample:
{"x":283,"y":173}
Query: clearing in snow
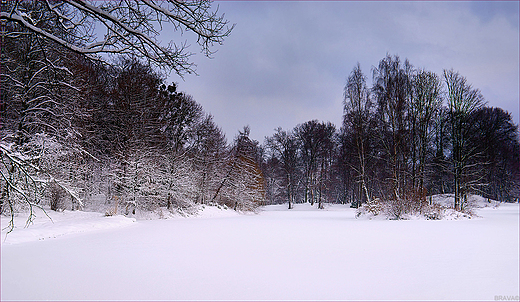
{"x":277,"y":254}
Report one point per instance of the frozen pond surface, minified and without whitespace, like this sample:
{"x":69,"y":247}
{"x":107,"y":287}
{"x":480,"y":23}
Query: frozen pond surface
{"x":302,"y":254}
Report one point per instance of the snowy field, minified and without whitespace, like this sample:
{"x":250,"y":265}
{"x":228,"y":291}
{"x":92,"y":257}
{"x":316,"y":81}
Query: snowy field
{"x":277,"y":254}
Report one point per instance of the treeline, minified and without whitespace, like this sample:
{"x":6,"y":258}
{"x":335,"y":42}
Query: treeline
{"x":120,"y":134}
{"x":77,"y":132}
{"x":97,"y":136}
{"x":80,"y":130}
{"x":412,"y":134}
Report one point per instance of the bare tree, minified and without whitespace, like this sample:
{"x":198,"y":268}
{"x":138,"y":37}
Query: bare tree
{"x":316,"y":144}
{"x":283,"y":146}
{"x":463,"y":101}
{"x":209,"y":152}
{"x":181,"y":117}
{"x":131,"y":27}
{"x":392,"y":92}
{"x":439,"y":166}
{"x":357,"y":116}
{"x":494,"y":137}
{"x":275,"y":188}
{"x":39,"y":91}
{"x":426,"y":102}
{"x":38,"y":103}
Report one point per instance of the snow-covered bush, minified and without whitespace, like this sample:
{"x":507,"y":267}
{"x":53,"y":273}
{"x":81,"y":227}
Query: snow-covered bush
{"x":433,"y":208}
{"x":372,"y":207}
{"x":56,"y":197}
{"x":434,"y":212}
{"x":390,"y":209}
{"x":112,"y":211}
{"x":397,"y":208}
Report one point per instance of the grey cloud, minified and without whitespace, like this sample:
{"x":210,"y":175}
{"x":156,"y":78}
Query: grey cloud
{"x":286,"y":62}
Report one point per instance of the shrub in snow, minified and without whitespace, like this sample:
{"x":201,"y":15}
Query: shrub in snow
{"x":373,"y":207}
{"x":56,"y":197}
{"x":390,"y":209}
{"x":182,"y":206}
{"x":113,"y":210}
{"x":126,"y":207}
{"x":407,"y":208}
{"x":129,"y":208}
{"x":434,"y":212}
{"x":396,"y":208}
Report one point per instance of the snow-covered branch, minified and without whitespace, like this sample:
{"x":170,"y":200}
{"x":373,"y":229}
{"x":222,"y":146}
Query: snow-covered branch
{"x":130,"y":27}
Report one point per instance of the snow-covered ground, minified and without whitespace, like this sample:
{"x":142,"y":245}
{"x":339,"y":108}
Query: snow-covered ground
{"x":277,"y":254}
{"x":51,"y":224}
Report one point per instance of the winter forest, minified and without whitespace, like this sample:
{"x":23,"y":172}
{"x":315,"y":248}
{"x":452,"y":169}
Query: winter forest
{"x":117,"y":184}
{"x":84,"y":130}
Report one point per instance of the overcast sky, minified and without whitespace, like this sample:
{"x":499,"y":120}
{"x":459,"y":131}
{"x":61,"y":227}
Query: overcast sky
{"x":286,"y":62}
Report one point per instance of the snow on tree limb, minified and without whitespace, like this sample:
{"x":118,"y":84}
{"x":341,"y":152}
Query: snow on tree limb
{"x":130,"y":27}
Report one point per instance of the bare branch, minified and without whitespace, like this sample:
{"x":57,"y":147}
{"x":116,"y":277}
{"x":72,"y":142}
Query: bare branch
{"x":130,"y":28}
